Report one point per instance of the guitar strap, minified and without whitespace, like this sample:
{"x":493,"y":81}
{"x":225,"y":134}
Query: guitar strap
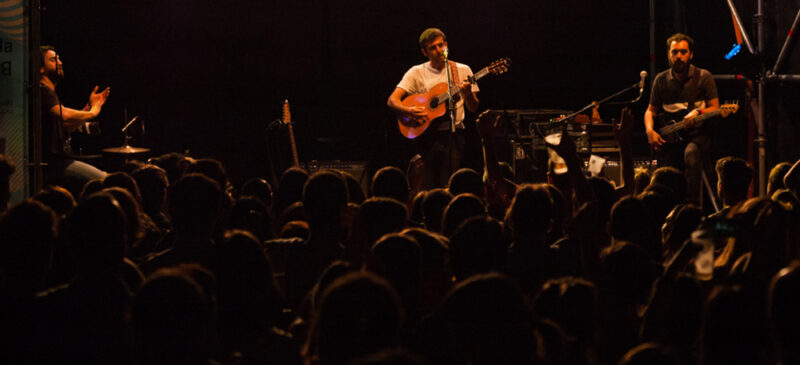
{"x":454,"y":73}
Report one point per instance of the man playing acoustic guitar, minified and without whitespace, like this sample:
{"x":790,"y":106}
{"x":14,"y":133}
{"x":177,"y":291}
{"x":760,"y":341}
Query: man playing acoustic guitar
{"x":680,"y":89}
{"x":442,"y":152}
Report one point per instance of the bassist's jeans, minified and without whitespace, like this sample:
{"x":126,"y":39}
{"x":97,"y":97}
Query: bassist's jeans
{"x":693,"y":159}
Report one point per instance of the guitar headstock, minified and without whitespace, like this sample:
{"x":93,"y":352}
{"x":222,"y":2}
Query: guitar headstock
{"x":728,"y":109}
{"x":287,"y":116}
{"x":500,"y":66}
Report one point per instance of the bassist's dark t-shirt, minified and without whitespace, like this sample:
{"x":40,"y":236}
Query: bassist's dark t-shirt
{"x":672,"y":95}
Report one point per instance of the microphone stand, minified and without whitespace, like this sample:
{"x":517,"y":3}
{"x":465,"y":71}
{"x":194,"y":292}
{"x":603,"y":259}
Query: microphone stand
{"x":597,"y":103}
{"x":451,"y":104}
{"x":566,"y":118}
{"x":125,"y":130}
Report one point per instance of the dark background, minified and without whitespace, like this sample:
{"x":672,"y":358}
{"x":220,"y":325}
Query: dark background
{"x":209,"y":76}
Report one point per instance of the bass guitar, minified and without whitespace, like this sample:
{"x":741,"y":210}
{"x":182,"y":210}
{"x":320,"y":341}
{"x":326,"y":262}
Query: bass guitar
{"x":674,"y":127}
{"x":435,"y":100}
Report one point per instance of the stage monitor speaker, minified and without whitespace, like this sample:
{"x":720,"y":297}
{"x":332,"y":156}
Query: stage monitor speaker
{"x":611,"y":169}
{"x":356,"y":168}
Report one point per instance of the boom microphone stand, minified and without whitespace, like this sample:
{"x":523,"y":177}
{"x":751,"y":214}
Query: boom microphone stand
{"x":593,"y":104}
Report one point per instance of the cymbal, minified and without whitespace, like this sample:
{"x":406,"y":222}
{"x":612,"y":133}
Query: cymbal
{"x":126,"y":150}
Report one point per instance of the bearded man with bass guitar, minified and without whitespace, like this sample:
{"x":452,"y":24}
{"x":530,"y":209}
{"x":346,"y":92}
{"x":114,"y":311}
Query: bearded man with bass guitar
{"x":682,"y":93}
{"x":441,"y":150}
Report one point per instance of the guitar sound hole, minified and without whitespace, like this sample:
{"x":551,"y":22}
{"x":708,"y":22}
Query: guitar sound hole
{"x":434,"y":103}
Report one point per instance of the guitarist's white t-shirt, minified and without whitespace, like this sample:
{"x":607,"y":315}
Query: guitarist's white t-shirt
{"x":421,"y":78}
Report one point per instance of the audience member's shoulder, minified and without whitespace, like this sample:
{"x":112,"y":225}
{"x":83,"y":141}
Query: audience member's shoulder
{"x":57,"y":298}
{"x":284,"y":244}
{"x":156,"y":260}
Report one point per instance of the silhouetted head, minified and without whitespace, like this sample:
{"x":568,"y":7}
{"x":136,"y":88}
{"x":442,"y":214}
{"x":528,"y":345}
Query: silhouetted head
{"x":531,"y":213}
{"x":562,"y":209}
{"x":354,"y":191}
{"x":606,"y":196}
{"x":641,"y":179}
{"x":133,"y":214}
{"x":211,"y":168}
{"x":433,"y":208}
{"x":733,"y":179}
{"x":672,"y":178}
{"x":768,"y":222}
{"x":6,"y":169}
{"x":125,"y":181}
{"x":434,"y":248}
{"x":57,"y":198}
{"x":629,"y":220}
{"x":172,"y":320}
{"x":91,"y":187}
{"x":733,"y":327}
{"x":378,"y":216}
{"x":27,"y":234}
{"x":784,"y":318}
{"x":290,"y":188}
{"x":258,"y":188}
{"x":658,"y":205}
{"x":397,"y":258}
{"x":478,"y":245}
{"x":174,"y":164}
{"x":650,"y":353}
{"x":390,"y":182}
{"x":250,"y":214}
{"x":466,"y":180}
{"x":627,"y":272}
{"x":130,"y":166}
{"x":152,"y":182}
{"x":571,"y":303}
{"x":248,"y":298}
{"x":98,"y":232}
{"x":461,"y":208}
{"x":324,"y":198}
{"x":679,"y":225}
{"x":359,"y":314}
{"x":415,"y":210}
{"x":334,"y":271}
{"x":194,"y":203}
{"x":775,"y":181}
{"x":473,"y":320}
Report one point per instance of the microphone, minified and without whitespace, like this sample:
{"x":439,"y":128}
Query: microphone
{"x":445,"y":51}
{"x":129,"y":124}
{"x":643,"y":75}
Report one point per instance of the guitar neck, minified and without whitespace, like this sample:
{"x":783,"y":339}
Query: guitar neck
{"x":295,"y":158}
{"x":457,"y":90}
{"x":682,"y":124}
{"x":287,"y":119}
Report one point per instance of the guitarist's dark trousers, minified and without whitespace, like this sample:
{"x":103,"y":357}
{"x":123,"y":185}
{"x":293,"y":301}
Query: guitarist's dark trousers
{"x":693,"y":158}
{"x":442,"y":154}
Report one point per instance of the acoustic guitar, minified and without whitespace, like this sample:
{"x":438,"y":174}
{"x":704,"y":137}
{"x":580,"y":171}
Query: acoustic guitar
{"x":435,"y":101}
{"x":673,"y":126}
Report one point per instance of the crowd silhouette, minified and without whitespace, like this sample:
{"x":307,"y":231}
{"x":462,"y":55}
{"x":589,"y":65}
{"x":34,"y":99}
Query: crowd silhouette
{"x":167,"y":262}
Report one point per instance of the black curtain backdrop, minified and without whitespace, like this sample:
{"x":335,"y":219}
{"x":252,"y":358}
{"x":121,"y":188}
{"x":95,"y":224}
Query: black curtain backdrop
{"x":208,"y":76}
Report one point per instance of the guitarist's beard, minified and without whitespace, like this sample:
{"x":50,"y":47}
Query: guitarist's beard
{"x":679,"y":67}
